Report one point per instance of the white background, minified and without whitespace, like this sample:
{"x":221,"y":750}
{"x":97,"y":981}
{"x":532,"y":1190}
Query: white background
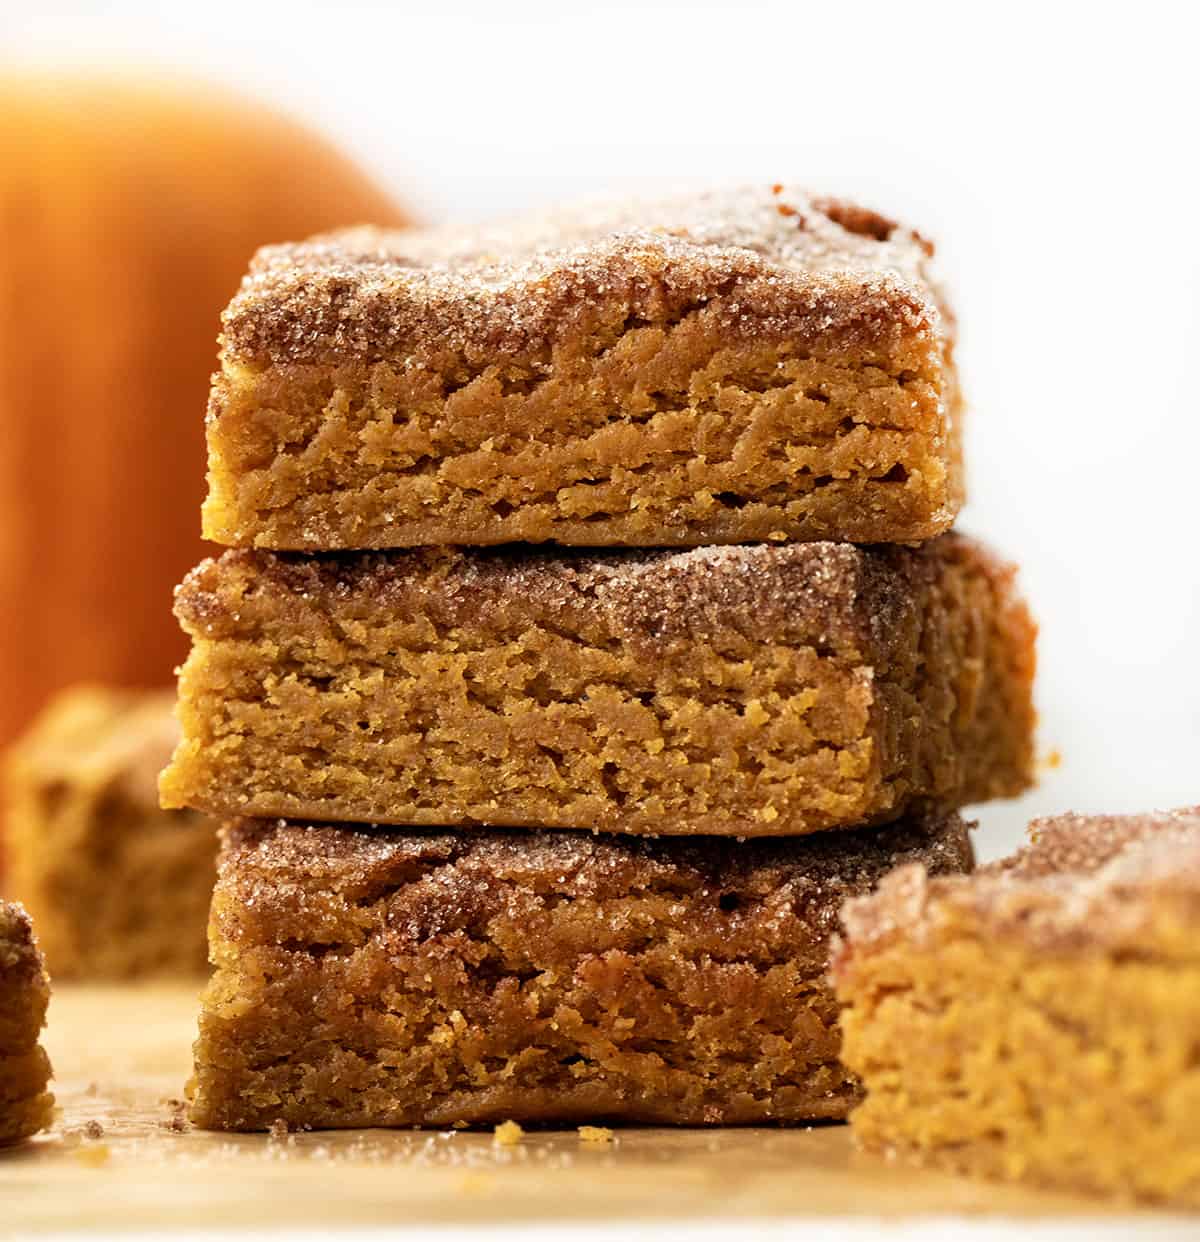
{"x":1051,"y":150}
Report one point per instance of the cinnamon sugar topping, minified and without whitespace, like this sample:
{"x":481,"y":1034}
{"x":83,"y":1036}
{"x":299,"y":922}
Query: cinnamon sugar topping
{"x":838,"y":590}
{"x":1083,"y":880}
{"x":766,"y":260}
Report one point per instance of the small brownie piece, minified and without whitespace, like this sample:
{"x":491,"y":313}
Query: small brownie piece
{"x":369,"y":977}
{"x":747,"y":691}
{"x":1039,"y":1020}
{"x":727,"y":367}
{"x":118,"y":887}
{"x":25,"y":1105}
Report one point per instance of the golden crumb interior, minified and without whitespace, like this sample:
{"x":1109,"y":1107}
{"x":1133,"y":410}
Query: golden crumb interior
{"x":642,"y":434}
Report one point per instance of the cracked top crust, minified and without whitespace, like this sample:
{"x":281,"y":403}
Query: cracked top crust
{"x":1099,"y":881}
{"x":764,"y":260}
{"x":829,"y":594}
{"x":300,"y":880}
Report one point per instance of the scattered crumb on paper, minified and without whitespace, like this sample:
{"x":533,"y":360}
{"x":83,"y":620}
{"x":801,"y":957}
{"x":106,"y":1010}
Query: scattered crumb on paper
{"x":507,"y":1134}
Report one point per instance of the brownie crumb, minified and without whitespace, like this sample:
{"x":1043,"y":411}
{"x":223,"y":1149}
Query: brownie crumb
{"x":177,"y":1122}
{"x":507,"y":1134}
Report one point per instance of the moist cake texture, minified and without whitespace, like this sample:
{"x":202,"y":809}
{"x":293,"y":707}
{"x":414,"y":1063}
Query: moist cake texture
{"x":371,"y":977}
{"x":25,"y":1105}
{"x":725,"y":367}
{"x":746,"y":691}
{"x":118,"y":887}
{"x":1039,"y":1020}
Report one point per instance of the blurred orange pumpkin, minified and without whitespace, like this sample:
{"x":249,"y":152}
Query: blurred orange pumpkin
{"x":128,"y":212}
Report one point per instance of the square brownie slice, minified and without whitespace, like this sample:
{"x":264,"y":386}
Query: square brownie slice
{"x":725,"y":367}
{"x":746,"y":691}
{"x":400,"y":977}
{"x":117,"y":886}
{"x":1039,"y":1020}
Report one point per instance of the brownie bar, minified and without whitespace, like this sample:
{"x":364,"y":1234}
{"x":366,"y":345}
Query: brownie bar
{"x":1041,"y":1019}
{"x":118,"y":887}
{"x":25,"y":1105}
{"x":726,"y":367}
{"x":371,"y":977}
{"x":746,"y":691}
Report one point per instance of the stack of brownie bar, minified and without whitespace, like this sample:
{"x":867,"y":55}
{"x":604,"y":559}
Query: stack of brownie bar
{"x":562,"y":835}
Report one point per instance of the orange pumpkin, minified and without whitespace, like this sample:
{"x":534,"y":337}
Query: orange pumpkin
{"x":128,"y":212}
